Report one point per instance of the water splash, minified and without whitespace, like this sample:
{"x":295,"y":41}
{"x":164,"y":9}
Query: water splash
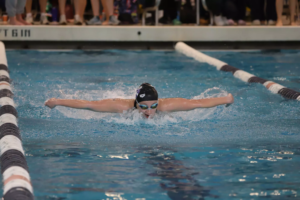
{"x":132,"y":116}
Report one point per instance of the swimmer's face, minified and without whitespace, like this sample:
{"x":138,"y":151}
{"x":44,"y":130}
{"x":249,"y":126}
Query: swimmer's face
{"x":148,"y":113}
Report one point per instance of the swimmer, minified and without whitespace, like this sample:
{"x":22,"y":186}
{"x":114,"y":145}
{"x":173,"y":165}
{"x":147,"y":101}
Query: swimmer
{"x":146,"y":101}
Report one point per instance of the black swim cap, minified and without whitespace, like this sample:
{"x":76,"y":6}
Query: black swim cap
{"x":146,"y":92}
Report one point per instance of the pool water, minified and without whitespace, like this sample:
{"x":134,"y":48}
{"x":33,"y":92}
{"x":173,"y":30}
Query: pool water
{"x":249,"y":150}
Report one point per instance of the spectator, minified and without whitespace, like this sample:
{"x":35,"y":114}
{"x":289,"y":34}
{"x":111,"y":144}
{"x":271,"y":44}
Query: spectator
{"x":79,"y":12}
{"x":188,"y":11}
{"x":170,"y":9}
{"x":96,"y":19}
{"x":43,"y":18}
{"x":108,"y":7}
{"x":221,"y":9}
{"x":127,"y":10}
{"x":2,"y":6}
{"x":204,"y":15}
{"x":62,"y":12}
{"x":258,"y":14}
{"x":279,"y":8}
{"x":235,"y":10}
{"x":215,"y":8}
{"x":15,"y":9}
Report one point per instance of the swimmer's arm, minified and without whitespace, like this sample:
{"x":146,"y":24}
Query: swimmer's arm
{"x":106,"y":105}
{"x":181,"y":104}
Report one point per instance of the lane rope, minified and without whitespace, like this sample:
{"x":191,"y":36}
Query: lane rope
{"x":237,"y":73}
{"x":14,"y":169}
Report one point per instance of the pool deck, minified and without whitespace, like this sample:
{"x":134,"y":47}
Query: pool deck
{"x":102,"y":37}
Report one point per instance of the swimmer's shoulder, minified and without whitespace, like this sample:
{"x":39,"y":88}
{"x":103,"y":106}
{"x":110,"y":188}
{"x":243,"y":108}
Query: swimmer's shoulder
{"x":130,"y":103}
{"x":167,"y":104}
{"x":126,"y":104}
{"x":167,"y":100}
{"x":163,"y":103}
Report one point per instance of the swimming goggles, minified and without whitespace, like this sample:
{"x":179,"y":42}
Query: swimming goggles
{"x":145,"y":107}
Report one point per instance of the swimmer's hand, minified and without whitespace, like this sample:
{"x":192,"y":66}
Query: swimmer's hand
{"x":230,"y":99}
{"x":51,"y":103}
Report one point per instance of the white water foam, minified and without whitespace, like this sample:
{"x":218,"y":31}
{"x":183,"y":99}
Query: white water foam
{"x":120,"y":91}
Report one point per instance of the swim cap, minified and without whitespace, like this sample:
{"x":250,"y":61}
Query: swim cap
{"x":146,"y":92}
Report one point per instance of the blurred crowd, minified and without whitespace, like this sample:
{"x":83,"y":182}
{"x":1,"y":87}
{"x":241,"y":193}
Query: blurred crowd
{"x":172,"y":12}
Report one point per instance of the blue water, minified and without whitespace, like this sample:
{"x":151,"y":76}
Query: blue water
{"x":249,"y":150}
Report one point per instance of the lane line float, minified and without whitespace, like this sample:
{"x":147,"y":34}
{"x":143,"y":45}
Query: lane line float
{"x":16,"y":179}
{"x":237,"y":73}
